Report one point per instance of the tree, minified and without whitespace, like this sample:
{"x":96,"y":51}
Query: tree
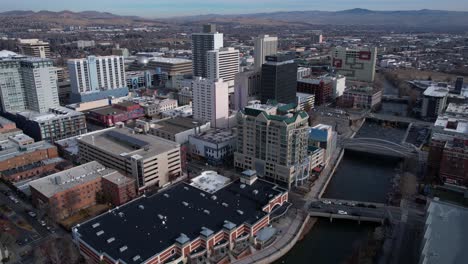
{"x":57,"y":250}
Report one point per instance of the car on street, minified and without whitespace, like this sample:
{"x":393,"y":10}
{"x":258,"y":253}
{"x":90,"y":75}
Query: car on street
{"x":341,"y":212}
{"x":316,"y":206}
{"x":32,"y":214}
{"x":326,"y":202}
{"x":42,"y":222}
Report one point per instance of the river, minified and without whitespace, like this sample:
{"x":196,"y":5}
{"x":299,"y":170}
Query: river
{"x":360,"y":177}
{"x":328,"y":243}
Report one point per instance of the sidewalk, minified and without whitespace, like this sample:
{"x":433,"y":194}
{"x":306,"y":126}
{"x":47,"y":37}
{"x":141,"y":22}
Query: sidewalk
{"x":280,"y":247}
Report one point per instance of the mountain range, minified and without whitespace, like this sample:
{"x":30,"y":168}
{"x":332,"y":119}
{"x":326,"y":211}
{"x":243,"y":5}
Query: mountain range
{"x":420,"y":19}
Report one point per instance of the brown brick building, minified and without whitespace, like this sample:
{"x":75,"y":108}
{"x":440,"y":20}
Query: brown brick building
{"x":454,"y":162}
{"x":321,"y":88}
{"x":18,"y":155}
{"x":119,"y":188}
{"x":36,"y":169}
{"x":67,"y":192}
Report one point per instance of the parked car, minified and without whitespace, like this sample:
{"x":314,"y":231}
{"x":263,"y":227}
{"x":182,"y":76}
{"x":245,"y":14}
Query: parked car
{"x":326,"y":202}
{"x":32,"y":214}
{"x":341,"y":212}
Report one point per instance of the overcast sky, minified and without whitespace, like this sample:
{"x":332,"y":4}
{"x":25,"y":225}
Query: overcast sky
{"x":164,"y":8}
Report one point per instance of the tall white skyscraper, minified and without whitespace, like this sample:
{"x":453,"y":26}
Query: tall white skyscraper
{"x":27,"y":84}
{"x":223,"y":63}
{"x":264,"y":46}
{"x":94,"y":78}
{"x":210,"y":39}
{"x":40,"y":84}
{"x":211,"y":101}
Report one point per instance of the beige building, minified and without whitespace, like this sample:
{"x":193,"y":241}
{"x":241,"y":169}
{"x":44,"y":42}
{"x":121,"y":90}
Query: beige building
{"x":356,"y":64}
{"x":272,"y":139}
{"x":265,"y":45}
{"x":34,"y":48}
{"x":152,"y":161}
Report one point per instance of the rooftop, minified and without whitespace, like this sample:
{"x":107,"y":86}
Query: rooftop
{"x":64,"y":180}
{"x":124,"y":142}
{"x":436,"y":91}
{"x":10,"y":149}
{"x":117,"y":178}
{"x":149,"y":225}
{"x":168,"y":60}
{"x":457,"y":109}
{"x":274,"y":112}
{"x":53,"y":114}
{"x":216,"y":135}
{"x":176,"y":125}
{"x":210,"y":181}
{"x":446,"y":234}
{"x":5,"y":122}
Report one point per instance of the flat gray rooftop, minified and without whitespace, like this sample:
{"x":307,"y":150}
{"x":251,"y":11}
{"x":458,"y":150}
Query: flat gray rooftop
{"x":122,"y":141}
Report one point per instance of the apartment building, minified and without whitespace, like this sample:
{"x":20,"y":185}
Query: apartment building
{"x":223,"y":63}
{"x":95,"y":78}
{"x":58,"y":123}
{"x":211,"y":101}
{"x":272,"y":139}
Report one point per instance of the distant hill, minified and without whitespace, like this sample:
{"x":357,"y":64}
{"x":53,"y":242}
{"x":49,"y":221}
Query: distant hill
{"x":415,"y":19}
{"x":46,"y":18}
{"x":424,"y":19}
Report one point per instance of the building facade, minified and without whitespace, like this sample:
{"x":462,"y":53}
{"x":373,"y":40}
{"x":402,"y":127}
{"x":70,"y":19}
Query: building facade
{"x":321,"y":88}
{"x":272,"y":140}
{"x":211,"y":101}
{"x":363,"y":97}
{"x":279,"y":77}
{"x":98,"y":76}
{"x":434,"y":101}
{"x":201,"y":44}
{"x":28,"y":84}
{"x":264,"y":45}
{"x":247,"y":88}
{"x":34,"y":48}
{"x":58,"y":123}
{"x":223,"y":63}
{"x":356,"y":64}
{"x":214,"y":146}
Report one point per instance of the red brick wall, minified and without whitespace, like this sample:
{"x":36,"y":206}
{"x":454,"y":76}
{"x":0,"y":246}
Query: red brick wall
{"x":119,"y":194}
{"x":29,"y":158}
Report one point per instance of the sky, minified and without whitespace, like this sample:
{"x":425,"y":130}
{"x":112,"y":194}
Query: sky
{"x":167,"y":8}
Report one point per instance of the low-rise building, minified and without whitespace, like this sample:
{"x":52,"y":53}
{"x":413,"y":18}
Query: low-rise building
{"x":154,"y":106}
{"x":216,"y":146}
{"x":109,"y":115}
{"x":323,"y":137}
{"x":65,"y":193}
{"x":187,"y":223}
{"x":58,"y":123}
{"x":8,"y":129}
{"x":21,"y":158}
{"x":362,"y":97}
{"x":118,"y":189}
{"x":177,"y":129}
{"x":152,"y":161}
{"x":305,"y":101}
{"x":182,"y":111}
{"x":139,"y":79}
{"x":321,"y":88}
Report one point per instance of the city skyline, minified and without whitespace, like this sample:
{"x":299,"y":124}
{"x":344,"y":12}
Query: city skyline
{"x":166,"y":8}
